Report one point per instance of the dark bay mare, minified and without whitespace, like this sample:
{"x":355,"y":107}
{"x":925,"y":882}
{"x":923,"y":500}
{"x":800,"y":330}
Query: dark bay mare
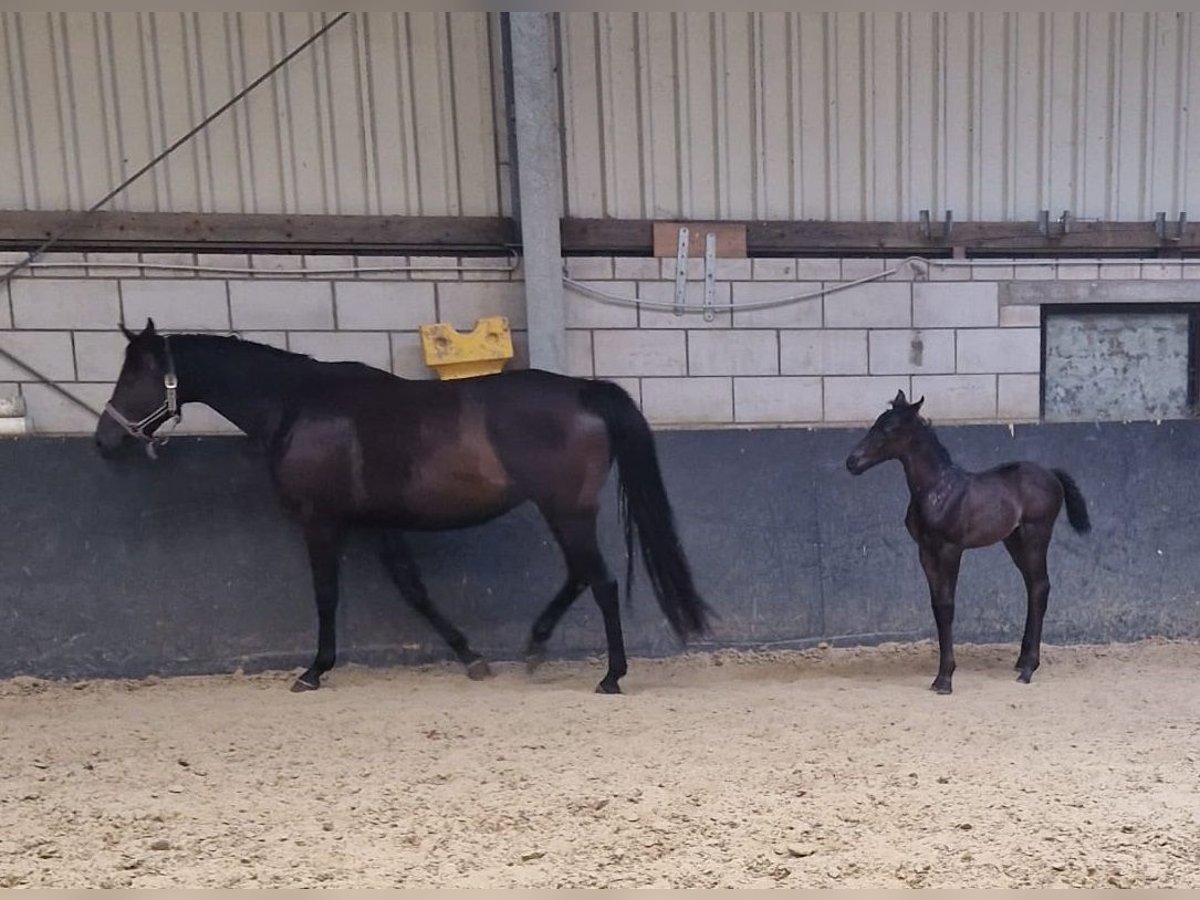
{"x":349,"y":444}
{"x":951,"y":510}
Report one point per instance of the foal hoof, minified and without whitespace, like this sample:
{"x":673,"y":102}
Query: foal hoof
{"x":479,"y":670}
{"x":608,"y":687}
{"x":300,"y":686}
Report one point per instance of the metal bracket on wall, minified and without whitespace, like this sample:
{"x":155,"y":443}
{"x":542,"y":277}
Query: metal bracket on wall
{"x":1160,"y":227}
{"x":681,"y":258}
{"x":710,"y":275}
{"x":926,"y":226}
{"x":1064,"y":223}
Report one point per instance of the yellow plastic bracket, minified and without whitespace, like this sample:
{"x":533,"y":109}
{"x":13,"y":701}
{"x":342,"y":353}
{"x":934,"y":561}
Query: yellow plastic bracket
{"x":453,"y":354}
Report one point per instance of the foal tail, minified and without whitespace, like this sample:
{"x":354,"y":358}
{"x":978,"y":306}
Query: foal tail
{"x":1077,"y":513}
{"x":644,"y":508}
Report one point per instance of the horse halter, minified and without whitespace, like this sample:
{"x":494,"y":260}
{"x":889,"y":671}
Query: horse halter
{"x":167,"y":410}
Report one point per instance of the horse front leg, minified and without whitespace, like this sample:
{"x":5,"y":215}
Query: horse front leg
{"x":323,"y":541}
{"x":941,"y":563}
{"x":401,"y":565}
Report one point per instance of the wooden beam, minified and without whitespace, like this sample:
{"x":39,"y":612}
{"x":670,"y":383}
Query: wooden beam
{"x":766,"y":238}
{"x":256,"y":232}
{"x":235,"y":232}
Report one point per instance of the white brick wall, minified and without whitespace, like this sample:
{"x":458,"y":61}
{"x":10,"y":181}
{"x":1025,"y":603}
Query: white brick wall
{"x":200,"y":305}
{"x":827,"y":352}
{"x":962,"y":335}
{"x":267,"y":305}
{"x":895,"y":352}
{"x":384,"y":305}
{"x":65,"y":303}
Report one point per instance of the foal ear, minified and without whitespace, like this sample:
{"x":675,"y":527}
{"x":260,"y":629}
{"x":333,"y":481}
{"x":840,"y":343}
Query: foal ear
{"x":900,"y":400}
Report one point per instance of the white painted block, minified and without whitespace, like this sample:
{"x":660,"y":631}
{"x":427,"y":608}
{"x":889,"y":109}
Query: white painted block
{"x":798,"y":314}
{"x":99,"y":355}
{"x":862,"y":398}
{"x":589,"y":268}
{"x":955,"y":305}
{"x":175,"y":304}
{"x":872,"y":305}
{"x":586,"y":311}
{"x":735,"y":352}
{"x":823,"y":352}
{"x":687,"y":401}
{"x":281,"y":305}
{"x":629,"y":352}
{"x":898,"y":352}
{"x":956,"y":397}
{"x":463,"y":304}
{"x":49,"y":352}
{"x":1000,"y":350}
{"x":777,"y":399}
{"x":384,"y":305}
{"x":1019,"y":397}
{"x":50,"y":303}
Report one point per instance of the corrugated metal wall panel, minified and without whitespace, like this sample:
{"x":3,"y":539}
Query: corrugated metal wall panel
{"x":391,"y":113}
{"x":877,"y":115}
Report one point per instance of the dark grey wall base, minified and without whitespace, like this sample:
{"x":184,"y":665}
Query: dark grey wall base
{"x":188,"y":565}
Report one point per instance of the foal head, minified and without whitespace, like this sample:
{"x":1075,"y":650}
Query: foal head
{"x":145,"y":395}
{"x":890,"y":437}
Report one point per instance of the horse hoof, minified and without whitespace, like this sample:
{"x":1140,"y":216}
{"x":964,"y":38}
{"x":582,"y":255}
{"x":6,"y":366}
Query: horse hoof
{"x":533,"y":662}
{"x":941,"y":688}
{"x":607,"y":687}
{"x":1025,"y":677}
{"x":300,"y":686}
{"x":479,"y":670}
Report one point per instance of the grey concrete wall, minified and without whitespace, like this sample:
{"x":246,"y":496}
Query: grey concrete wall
{"x":187,"y":565}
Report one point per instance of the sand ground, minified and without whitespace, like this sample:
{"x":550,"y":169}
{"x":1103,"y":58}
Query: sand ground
{"x":816,"y":768}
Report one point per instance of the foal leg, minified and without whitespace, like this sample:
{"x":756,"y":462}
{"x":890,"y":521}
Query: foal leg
{"x":323,"y":540}
{"x":1027,"y":546}
{"x":403,"y":568}
{"x":940,"y":563}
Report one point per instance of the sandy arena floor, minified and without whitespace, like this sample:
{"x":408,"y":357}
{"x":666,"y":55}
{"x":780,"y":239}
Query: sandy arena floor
{"x":822,"y":768}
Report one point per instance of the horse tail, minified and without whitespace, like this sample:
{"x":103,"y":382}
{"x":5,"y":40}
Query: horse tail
{"x":645,"y":509}
{"x":1077,"y":513}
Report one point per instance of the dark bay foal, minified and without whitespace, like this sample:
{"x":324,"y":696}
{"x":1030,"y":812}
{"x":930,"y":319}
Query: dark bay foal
{"x":952,"y":510}
{"x":349,"y":444}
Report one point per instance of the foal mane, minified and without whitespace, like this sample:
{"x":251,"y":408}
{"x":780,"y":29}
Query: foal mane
{"x":926,"y":432}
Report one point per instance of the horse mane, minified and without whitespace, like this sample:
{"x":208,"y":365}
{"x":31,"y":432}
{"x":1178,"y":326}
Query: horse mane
{"x":265,"y":349}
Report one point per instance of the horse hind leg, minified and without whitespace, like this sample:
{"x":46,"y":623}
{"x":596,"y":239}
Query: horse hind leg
{"x":576,"y":535}
{"x":1027,"y":546}
{"x":941,"y":564}
{"x":398,"y":560}
{"x":547,"y":621}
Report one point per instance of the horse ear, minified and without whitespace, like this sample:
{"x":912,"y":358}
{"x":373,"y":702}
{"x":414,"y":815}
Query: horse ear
{"x":916,"y":407}
{"x":149,"y":329}
{"x":129,"y":335}
{"x":900,"y":400}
